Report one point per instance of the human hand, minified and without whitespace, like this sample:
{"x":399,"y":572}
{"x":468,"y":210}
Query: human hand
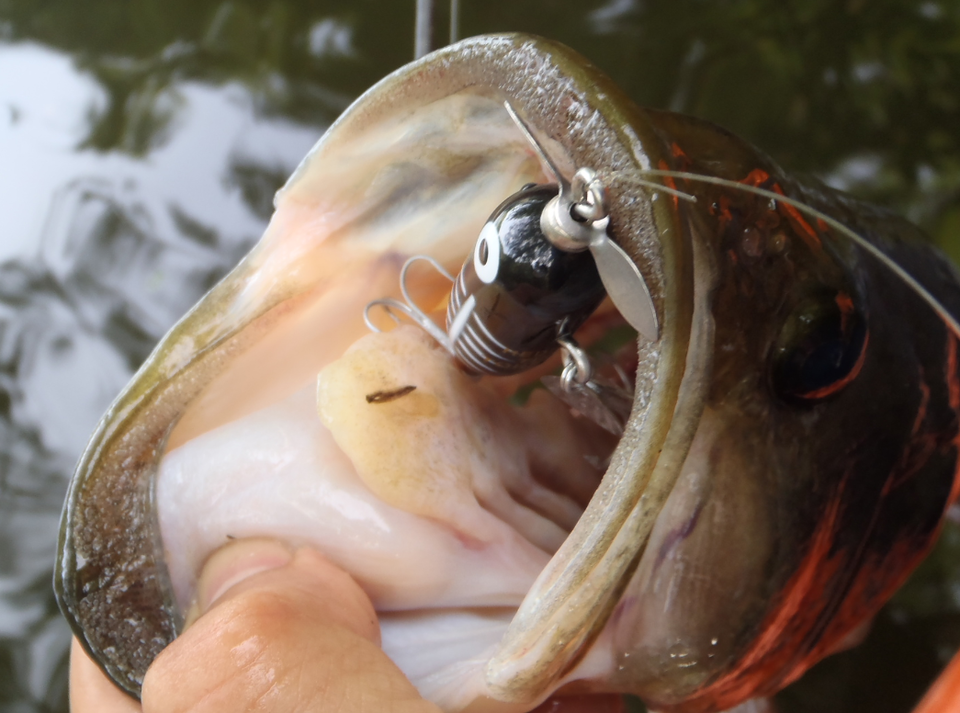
{"x":267,"y":642}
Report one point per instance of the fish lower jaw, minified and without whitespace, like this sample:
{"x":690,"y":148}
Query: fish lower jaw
{"x":444,"y":532}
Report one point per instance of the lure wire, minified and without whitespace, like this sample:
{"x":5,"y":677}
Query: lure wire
{"x":577,"y":367}
{"x":552,"y":168}
{"x":454,"y":20}
{"x":423,"y":29}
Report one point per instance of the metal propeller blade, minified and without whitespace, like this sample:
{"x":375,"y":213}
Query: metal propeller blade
{"x":584,"y":195}
{"x":626,"y":287}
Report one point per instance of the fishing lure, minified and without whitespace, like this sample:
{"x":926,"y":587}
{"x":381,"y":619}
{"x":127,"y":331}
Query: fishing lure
{"x":541,"y":265}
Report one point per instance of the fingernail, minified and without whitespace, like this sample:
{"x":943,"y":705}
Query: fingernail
{"x":236,"y":562}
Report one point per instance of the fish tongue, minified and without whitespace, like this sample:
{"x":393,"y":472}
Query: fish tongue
{"x":427,"y":439}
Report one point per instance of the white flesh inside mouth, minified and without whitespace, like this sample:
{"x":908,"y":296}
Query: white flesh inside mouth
{"x":446,"y":503}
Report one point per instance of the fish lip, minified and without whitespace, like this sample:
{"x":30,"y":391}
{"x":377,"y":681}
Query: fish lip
{"x":597,"y":125}
{"x":575,"y":595}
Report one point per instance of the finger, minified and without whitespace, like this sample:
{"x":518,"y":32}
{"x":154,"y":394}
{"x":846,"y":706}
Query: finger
{"x":90,"y":689}
{"x":299,"y":636}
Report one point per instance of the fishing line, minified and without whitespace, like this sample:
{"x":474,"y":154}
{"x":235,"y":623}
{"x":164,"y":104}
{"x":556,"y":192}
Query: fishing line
{"x":423,"y":26}
{"x":860,"y":241}
{"x":423,"y":29}
{"x":454,"y":20}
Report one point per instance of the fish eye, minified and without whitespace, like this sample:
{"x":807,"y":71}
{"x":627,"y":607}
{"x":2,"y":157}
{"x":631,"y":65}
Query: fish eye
{"x":820,"y":350}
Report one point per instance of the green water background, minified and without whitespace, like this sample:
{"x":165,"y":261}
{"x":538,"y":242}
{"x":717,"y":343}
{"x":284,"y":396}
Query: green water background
{"x":141,"y":142}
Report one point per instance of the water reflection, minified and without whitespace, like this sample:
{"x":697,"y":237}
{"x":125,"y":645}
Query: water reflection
{"x":101,"y":252}
{"x":141,"y":144}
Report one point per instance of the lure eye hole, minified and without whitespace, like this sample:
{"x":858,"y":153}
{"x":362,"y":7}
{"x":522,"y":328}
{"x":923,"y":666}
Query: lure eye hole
{"x":486,"y":255}
{"x":820,"y":350}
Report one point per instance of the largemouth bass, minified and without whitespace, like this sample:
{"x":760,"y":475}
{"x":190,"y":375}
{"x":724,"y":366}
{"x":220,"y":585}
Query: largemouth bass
{"x":789,"y":455}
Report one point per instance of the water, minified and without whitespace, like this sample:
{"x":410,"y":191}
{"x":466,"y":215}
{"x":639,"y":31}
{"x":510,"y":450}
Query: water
{"x":141,"y":143}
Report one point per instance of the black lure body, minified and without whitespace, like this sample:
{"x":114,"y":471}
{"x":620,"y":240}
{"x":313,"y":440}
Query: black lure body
{"x":518,"y":292}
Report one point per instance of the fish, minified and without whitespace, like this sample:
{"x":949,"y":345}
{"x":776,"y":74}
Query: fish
{"x":789,"y":456}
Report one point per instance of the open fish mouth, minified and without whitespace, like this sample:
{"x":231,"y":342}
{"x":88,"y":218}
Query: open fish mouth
{"x":509,"y":550}
{"x":416,"y":167}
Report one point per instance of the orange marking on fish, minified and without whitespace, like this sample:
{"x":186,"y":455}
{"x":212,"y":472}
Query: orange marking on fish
{"x":677,"y":151}
{"x":953,"y":383}
{"x":794,"y":615}
{"x":863,"y":599}
{"x":922,"y":409}
{"x":953,"y":398}
{"x":920,"y":447}
{"x":664,"y":166}
{"x":808,"y":598}
{"x":840,"y":383}
{"x":944,"y":695}
{"x":845,"y":303}
{"x":806,"y":231}
{"x":725,"y":216}
{"x":757,"y":177}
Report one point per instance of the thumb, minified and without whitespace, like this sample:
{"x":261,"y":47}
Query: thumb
{"x":280,"y":630}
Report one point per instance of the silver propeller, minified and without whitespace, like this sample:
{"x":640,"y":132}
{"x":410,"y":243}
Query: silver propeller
{"x":577,"y":220}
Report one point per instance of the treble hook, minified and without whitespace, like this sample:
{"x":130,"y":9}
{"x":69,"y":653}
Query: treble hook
{"x":409,"y":307}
